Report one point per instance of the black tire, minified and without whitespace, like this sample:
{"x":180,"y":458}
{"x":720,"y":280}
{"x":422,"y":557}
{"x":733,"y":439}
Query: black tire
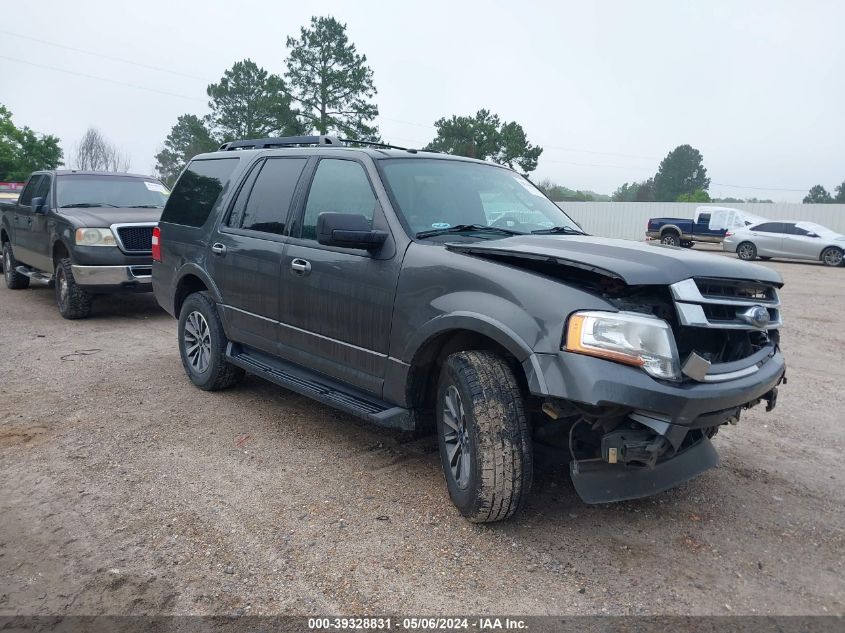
{"x":746,"y":251}
{"x":205,"y":363}
{"x":671,"y":238}
{"x":832,"y":256}
{"x":73,"y":301}
{"x":495,"y":481}
{"x":14,"y":280}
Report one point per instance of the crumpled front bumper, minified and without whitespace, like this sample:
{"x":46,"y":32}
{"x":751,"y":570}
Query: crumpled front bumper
{"x":672,"y":411}
{"x":598,"y":382}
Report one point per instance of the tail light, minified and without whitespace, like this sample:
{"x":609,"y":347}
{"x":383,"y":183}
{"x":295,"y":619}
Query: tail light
{"x":728,"y":233}
{"x":156,"y":244}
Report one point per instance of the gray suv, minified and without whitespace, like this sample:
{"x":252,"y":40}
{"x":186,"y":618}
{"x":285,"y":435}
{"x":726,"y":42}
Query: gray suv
{"x":419,"y":290}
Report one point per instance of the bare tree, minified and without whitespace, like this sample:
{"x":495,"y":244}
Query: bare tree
{"x":95,"y":152}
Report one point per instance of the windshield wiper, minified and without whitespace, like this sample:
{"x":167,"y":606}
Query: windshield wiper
{"x":559,"y":230}
{"x":468,"y":228}
{"x":145,"y":206}
{"x":85,"y":205}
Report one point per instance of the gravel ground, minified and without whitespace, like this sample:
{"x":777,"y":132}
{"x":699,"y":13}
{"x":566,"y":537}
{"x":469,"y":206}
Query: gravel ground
{"x":127,"y":491}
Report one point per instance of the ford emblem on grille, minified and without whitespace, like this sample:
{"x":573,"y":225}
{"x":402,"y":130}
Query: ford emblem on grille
{"x":758,"y":316}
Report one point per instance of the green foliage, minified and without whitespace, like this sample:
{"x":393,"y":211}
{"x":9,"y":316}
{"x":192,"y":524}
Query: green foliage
{"x":681,"y":172}
{"x":635,"y":192}
{"x":485,"y":137}
{"x":699,"y":195}
{"x":840,"y":193}
{"x":189,"y":137}
{"x":817,"y":195}
{"x":559,"y":193}
{"x":249,"y":102}
{"x":331,"y":82}
{"x":22,"y":151}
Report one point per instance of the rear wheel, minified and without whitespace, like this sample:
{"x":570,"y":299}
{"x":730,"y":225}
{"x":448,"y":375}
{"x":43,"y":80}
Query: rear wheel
{"x":483,"y":436}
{"x":832,"y":256}
{"x":747,"y":251}
{"x":671,"y":238}
{"x":14,"y":280}
{"x":73,"y":301}
{"x":202,"y":345}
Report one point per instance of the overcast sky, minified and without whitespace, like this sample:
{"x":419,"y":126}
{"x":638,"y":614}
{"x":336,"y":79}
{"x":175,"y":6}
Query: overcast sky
{"x":607,"y":88}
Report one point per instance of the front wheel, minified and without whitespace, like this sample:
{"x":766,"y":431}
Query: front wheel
{"x":202,"y":345}
{"x":747,"y":251}
{"x":832,"y":256}
{"x":483,"y":436}
{"x":73,"y":301}
{"x":14,"y":280}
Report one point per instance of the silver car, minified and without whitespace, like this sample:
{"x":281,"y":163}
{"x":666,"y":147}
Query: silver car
{"x":791,"y":240}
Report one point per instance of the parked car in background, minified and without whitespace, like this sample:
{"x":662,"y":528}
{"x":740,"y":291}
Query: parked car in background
{"x":708,"y":225}
{"x":9,"y":191}
{"x":390,"y":284}
{"x":89,"y":232}
{"x":790,"y":240}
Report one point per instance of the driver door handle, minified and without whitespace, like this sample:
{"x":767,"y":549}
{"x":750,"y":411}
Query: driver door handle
{"x":218,"y":249}
{"x":300,"y":266}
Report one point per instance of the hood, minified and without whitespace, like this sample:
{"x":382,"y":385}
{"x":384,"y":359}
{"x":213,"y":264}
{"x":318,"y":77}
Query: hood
{"x":635,"y":263}
{"x":100,"y":217}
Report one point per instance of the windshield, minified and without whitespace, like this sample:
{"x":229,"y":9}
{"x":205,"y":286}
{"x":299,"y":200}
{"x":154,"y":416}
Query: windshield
{"x":109,"y":191}
{"x":438,"y":194}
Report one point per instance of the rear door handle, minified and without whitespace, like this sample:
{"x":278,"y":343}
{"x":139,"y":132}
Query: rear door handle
{"x":218,"y":249}
{"x":300,"y":266}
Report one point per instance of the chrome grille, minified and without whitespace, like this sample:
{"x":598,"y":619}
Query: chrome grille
{"x":727,"y":304}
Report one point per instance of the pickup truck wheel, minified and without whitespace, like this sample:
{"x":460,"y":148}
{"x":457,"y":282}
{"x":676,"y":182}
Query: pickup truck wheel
{"x":14,"y":280}
{"x":747,"y":251}
{"x":832,"y":256}
{"x":483,"y":436}
{"x":202,"y":345}
{"x":73,"y":301}
{"x":671,"y":238}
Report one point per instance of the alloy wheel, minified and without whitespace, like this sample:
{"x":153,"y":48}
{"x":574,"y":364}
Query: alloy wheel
{"x":833,"y":257}
{"x":456,"y":436}
{"x":197,"y":341}
{"x":64,"y":289}
{"x":7,"y":264}
{"x":746,"y":251}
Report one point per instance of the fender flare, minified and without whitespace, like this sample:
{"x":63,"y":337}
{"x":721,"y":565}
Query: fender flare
{"x":473,"y":322}
{"x":671,"y":227}
{"x":191,"y":268}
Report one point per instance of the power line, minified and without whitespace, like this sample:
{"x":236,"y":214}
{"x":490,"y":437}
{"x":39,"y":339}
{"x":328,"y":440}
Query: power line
{"x":109,"y":57}
{"x":111,"y":81}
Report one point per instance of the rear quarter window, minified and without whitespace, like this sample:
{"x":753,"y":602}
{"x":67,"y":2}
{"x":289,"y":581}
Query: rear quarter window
{"x":198,"y":191}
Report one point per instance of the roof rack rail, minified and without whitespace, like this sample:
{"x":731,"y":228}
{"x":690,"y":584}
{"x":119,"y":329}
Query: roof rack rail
{"x":375,"y":144}
{"x":284,"y":141}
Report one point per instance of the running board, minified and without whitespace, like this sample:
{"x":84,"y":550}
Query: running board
{"x":320,"y":388}
{"x":35,"y":275}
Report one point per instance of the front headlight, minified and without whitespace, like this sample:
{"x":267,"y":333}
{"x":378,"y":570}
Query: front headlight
{"x":625,"y":337}
{"x":95,"y":237}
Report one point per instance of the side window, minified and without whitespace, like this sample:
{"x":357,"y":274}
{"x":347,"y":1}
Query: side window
{"x":767,"y":227}
{"x":198,"y":191}
{"x":235,"y":216}
{"x":42,"y":189}
{"x":269,"y":201}
{"x":796,"y":230}
{"x":704,"y":218}
{"x":29,"y":191}
{"x":341,"y":186}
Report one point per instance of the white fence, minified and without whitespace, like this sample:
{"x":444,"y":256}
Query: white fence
{"x":628,"y":220}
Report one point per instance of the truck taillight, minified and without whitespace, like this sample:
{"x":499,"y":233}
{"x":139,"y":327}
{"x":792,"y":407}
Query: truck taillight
{"x":156,"y":244}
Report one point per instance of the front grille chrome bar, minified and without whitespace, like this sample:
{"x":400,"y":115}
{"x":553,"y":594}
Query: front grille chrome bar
{"x":693,"y":306}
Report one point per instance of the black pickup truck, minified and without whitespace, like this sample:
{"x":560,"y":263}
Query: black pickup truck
{"x":88,"y":232}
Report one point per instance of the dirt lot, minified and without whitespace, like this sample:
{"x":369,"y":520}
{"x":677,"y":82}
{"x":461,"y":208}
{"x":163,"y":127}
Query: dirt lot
{"x":127,"y":491}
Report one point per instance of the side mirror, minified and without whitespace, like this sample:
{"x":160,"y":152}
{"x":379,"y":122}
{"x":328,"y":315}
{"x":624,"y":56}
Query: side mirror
{"x":348,"y":230}
{"x":38,"y":205}
{"x":812,"y":235}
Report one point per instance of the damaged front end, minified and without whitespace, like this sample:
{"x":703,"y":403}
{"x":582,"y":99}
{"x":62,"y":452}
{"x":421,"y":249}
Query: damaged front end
{"x":629,"y":435}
